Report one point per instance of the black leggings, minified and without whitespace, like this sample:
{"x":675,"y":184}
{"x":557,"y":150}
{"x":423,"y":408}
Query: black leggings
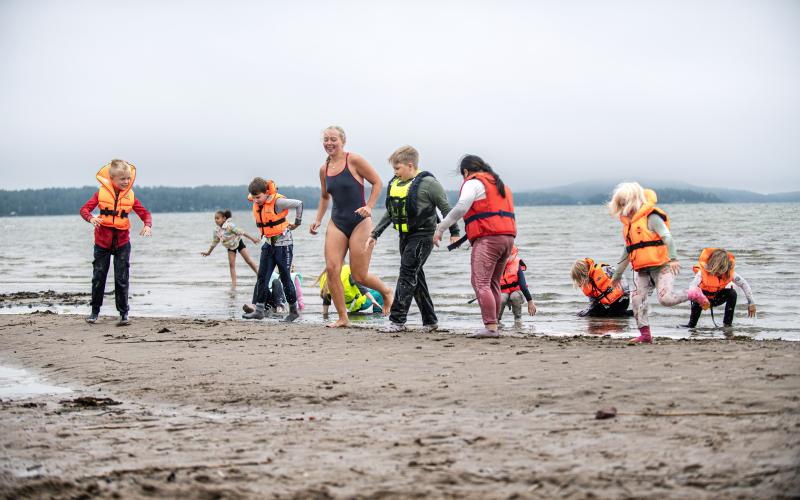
{"x":726,"y":296}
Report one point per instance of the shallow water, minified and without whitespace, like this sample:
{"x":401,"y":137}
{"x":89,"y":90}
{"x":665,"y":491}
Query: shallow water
{"x":20,"y":384}
{"x":170,"y":278}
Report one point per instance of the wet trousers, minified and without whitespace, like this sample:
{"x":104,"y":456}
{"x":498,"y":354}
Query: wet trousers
{"x":488,"y":261}
{"x":100,"y":266}
{"x":645,"y":281}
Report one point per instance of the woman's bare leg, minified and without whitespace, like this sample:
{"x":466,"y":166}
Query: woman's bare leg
{"x":335,"y":250}
{"x":359,"y":264}
{"x":232,"y":266}
{"x":249,"y":260}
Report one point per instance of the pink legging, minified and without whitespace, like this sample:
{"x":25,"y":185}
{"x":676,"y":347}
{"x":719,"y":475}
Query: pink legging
{"x":488,"y":261}
{"x":660,"y":278}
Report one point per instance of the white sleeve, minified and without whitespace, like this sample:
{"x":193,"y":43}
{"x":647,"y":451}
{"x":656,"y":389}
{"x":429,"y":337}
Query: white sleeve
{"x":471,"y":191}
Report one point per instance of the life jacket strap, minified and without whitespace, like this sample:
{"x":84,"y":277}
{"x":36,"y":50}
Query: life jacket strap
{"x":271,"y":224}
{"x":453,"y":246}
{"x":107,"y":211}
{"x":510,"y":285}
{"x":486,"y":215}
{"x":643,"y":244}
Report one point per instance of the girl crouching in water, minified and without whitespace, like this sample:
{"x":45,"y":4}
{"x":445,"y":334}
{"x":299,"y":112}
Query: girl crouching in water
{"x":231,"y":238}
{"x":650,"y":250}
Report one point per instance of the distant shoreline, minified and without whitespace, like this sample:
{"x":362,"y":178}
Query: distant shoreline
{"x":161,"y":199}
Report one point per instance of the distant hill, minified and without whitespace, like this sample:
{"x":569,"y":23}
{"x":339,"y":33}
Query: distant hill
{"x":59,"y":201}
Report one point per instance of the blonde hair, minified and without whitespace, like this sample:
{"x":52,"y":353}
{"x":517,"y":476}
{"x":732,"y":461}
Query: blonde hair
{"x":117,"y":167}
{"x":339,"y":130}
{"x":627,"y":199}
{"x":579,"y":272}
{"x":405,"y":154}
{"x":719,"y":264}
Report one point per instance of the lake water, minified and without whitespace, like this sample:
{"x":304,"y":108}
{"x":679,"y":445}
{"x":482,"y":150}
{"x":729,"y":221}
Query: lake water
{"x":170,"y":278}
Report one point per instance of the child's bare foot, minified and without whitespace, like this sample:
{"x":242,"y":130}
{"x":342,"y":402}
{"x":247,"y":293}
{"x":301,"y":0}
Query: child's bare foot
{"x":387,"y":303}
{"x":341,"y":323}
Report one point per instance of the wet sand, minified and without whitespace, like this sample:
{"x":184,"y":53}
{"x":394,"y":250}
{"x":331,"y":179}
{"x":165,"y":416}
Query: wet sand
{"x":175,"y":408}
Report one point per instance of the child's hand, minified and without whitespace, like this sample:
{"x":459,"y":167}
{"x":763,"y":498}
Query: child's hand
{"x":314,"y":227}
{"x":751,"y":311}
{"x":205,"y":254}
{"x":292,"y":227}
{"x":95,"y":221}
{"x":531,"y":308}
{"x":370,"y":243}
{"x":674,"y":267}
{"x":146,"y":231}
{"x":454,"y":239}
{"x":437,"y":237}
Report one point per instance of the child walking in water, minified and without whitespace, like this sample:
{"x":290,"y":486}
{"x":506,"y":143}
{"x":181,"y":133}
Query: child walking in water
{"x":270,"y":210}
{"x":411,"y":202}
{"x":342,"y":177}
{"x":112,"y":233}
{"x":514,"y":289}
{"x":606,"y":299}
{"x":231,"y":238}
{"x":650,"y":250}
{"x":487,"y":206}
{"x":714,"y":272}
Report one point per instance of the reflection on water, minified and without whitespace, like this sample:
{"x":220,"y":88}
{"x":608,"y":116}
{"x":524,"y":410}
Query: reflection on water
{"x":19,"y":384}
{"x":170,"y":278}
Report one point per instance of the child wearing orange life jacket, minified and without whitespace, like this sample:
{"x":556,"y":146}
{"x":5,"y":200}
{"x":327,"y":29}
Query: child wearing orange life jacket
{"x":650,"y":250}
{"x":487,"y":206}
{"x":270,"y":210}
{"x":595,"y":281}
{"x":111,"y":233}
{"x":514,"y":289}
{"x":714,"y":272}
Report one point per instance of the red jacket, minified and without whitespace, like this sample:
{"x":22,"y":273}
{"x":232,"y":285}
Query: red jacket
{"x":104,"y":236}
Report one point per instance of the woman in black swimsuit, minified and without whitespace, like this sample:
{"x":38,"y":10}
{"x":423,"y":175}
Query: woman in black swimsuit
{"x":341,"y":177}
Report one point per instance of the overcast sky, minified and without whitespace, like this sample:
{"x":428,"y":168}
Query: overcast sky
{"x":548,"y":92}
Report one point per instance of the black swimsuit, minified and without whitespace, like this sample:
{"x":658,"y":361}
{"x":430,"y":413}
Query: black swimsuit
{"x":348,"y":195}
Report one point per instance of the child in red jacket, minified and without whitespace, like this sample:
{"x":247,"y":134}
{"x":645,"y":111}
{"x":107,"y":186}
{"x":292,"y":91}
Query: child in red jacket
{"x":111,"y":233}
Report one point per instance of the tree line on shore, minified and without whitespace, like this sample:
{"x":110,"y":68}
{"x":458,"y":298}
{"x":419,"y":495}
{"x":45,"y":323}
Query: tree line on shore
{"x":61,"y":201}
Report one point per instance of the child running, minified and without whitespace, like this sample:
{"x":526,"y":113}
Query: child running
{"x":231,"y":238}
{"x":714,"y":272}
{"x":650,"y":250}
{"x":606,"y":299}
{"x":487,"y":206}
{"x":112,"y":233}
{"x":411,"y":202}
{"x":270,"y":210}
{"x":514,"y":289}
{"x":342,"y":177}
{"x":357,"y":297}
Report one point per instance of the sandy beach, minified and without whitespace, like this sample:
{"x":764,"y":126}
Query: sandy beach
{"x":207,"y":409}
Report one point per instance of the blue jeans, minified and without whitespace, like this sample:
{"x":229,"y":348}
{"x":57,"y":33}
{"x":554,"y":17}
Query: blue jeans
{"x":271,"y":257}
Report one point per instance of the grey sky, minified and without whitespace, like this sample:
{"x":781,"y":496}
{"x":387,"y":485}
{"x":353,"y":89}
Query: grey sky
{"x":548,"y":92}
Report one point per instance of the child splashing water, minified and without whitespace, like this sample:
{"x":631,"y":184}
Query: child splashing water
{"x":231,"y":238}
{"x":714,"y":272}
{"x":650,"y":250}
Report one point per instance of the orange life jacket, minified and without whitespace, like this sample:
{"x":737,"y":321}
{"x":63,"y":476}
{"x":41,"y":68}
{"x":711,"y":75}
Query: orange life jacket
{"x":709,"y":283}
{"x":268,"y":222}
{"x":600,"y":286}
{"x":645,"y":247}
{"x":115,"y":206}
{"x":492,"y":215}
{"x":509,"y":283}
